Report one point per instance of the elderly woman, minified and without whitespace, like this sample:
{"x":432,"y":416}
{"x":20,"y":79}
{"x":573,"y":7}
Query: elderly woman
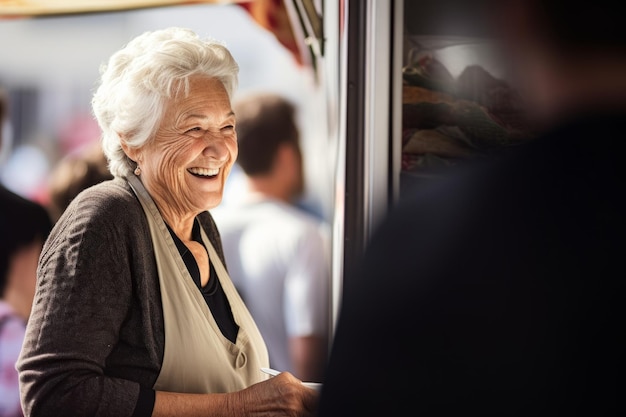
{"x":135,"y":314}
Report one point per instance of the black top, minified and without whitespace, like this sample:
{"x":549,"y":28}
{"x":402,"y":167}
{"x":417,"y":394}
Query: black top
{"x":213,"y":292}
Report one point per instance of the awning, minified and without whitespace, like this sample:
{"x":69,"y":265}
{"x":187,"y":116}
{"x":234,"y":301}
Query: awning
{"x":273,"y":15}
{"x":27,"y":8}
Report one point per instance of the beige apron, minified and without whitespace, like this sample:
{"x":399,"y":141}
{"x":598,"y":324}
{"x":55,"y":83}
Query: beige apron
{"x":198,"y":358}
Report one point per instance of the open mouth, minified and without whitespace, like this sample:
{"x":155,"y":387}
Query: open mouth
{"x":204,"y":172}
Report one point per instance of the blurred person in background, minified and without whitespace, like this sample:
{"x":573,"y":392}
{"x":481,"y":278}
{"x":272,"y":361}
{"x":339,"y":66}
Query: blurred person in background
{"x":24,"y":225}
{"x":278,"y":253}
{"x":134,"y":313}
{"x":74,"y":173}
{"x":500,"y":291}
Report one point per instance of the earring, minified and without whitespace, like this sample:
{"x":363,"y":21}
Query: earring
{"x":138,"y":171}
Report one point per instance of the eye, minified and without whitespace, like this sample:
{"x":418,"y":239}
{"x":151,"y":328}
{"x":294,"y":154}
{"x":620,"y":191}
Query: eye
{"x":195,"y":132}
{"x":228,"y":127}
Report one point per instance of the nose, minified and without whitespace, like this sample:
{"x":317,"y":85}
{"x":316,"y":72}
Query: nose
{"x":215,"y":147}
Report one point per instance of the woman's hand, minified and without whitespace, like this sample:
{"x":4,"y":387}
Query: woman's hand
{"x":283,"y":395}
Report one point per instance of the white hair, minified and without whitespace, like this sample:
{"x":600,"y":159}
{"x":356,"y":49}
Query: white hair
{"x":139,"y":78}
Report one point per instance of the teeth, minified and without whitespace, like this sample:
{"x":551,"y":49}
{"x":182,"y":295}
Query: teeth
{"x":205,"y":172}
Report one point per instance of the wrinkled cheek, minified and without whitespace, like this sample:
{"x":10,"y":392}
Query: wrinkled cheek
{"x":227,"y":172}
{"x":171,"y":177}
{"x":234,"y":152}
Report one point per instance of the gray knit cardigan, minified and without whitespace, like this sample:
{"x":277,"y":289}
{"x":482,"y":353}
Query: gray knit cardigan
{"x":96,"y":330}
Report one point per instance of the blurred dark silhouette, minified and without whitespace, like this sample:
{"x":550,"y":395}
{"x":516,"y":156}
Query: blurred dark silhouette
{"x":500,"y":290}
{"x":24,"y":226}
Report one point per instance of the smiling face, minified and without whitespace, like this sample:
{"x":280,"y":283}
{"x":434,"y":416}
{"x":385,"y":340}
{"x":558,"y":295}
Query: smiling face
{"x":185,"y":166}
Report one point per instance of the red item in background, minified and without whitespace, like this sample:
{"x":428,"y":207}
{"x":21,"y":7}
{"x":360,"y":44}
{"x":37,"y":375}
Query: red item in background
{"x":273,"y":16}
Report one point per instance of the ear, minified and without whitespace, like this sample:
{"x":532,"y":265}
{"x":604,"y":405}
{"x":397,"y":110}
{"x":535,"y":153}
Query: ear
{"x":288,"y":170}
{"x":132,"y":152}
{"x":287,"y":159}
{"x":282,"y":158}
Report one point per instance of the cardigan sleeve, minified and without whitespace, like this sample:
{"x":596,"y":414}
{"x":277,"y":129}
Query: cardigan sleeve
{"x":85,"y":294}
